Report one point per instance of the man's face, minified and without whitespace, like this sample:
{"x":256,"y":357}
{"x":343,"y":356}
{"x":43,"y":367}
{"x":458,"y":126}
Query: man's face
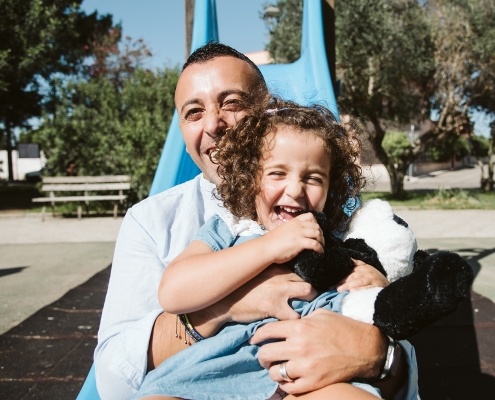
{"x":209,"y":98}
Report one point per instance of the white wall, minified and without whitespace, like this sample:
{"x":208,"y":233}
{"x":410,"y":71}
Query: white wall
{"x":21,"y":166}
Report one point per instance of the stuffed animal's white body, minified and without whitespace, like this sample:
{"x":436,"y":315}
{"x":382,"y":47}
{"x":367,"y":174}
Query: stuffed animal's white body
{"x":395,"y":244}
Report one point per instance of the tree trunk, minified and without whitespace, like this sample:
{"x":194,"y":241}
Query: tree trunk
{"x":9,"y":150}
{"x":396,"y":182}
{"x":396,"y":174}
{"x":488,"y":182}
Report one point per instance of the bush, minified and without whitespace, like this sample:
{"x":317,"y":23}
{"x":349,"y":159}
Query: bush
{"x":395,"y":143}
{"x":104,"y":129}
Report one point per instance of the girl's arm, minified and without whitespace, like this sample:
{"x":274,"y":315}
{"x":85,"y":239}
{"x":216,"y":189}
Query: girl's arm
{"x":199,"y":277}
{"x":363,"y":276}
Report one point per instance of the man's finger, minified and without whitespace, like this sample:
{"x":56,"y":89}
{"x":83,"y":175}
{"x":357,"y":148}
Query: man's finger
{"x":276,"y":370}
{"x":273,"y":352}
{"x":272,"y":330}
{"x":302,"y":291}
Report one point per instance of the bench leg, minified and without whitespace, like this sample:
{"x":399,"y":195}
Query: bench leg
{"x":115,"y":210}
{"x":43,"y":213}
{"x":79,"y":212}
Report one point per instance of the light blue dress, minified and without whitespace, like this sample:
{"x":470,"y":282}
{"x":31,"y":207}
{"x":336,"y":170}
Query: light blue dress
{"x":226,"y":366}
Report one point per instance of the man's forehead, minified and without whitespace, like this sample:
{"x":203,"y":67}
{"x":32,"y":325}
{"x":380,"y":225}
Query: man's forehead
{"x":216,"y":77}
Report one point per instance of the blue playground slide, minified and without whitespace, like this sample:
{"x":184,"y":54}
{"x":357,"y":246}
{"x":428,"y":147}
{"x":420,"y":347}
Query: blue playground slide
{"x":305,"y":81}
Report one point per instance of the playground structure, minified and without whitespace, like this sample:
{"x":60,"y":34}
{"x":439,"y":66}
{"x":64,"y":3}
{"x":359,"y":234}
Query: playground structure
{"x":306,"y":81}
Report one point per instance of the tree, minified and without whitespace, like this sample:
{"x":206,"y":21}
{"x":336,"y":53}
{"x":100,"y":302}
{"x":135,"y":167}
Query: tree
{"x":385,"y":63}
{"x":285,"y":34}
{"x":40,"y":39}
{"x":482,"y":91}
{"x":401,"y":60}
{"x":115,"y":122}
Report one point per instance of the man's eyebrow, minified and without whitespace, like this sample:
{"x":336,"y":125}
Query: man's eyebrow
{"x":241,"y":93}
{"x":189,"y":102}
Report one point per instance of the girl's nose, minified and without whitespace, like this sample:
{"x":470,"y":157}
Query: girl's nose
{"x":294,"y":188}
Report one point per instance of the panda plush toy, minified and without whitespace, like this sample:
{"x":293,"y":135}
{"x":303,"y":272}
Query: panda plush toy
{"x":423,"y":287}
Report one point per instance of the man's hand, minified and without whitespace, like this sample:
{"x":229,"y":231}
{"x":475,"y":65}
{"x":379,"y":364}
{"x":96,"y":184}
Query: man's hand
{"x":264,"y":296}
{"x":321,"y":348}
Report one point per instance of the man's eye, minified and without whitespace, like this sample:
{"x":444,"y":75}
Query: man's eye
{"x":233,"y":105}
{"x":193,"y":114}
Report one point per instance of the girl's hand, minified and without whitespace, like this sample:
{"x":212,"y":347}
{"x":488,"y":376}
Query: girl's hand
{"x":363,"y":276}
{"x":287,"y":240}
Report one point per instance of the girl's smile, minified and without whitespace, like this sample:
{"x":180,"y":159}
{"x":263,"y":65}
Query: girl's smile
{"x":295,"y":176}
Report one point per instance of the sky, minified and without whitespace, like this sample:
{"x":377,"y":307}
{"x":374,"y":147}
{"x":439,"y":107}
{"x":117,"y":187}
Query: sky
{"x":161,"y":24}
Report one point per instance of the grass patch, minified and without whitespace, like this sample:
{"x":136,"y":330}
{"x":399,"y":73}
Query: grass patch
{"x":443,"y":199}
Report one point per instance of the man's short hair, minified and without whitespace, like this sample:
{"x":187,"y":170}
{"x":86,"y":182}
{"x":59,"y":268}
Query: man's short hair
{"x":213,"y":50}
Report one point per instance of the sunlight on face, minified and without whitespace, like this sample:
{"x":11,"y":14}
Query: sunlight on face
{"x":295,"y":176}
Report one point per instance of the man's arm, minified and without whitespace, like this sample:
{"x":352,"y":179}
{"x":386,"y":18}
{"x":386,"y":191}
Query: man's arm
{"x":325,"y":348}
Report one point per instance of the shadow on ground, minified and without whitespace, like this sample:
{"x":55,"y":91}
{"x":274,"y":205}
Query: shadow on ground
{"x":456,"y":356}
{"x":49,"y":355}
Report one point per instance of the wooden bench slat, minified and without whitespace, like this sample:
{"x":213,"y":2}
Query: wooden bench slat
{"x":86,"y":179}
{"x":77,"y":198}
{"x":68,"y":187}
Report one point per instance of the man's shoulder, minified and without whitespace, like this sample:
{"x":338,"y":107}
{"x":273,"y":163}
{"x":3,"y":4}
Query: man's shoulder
{"x":169,"y":196}
{"x":159,"y":210}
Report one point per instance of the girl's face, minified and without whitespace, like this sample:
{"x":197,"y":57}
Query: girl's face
{"x":295,"y":176}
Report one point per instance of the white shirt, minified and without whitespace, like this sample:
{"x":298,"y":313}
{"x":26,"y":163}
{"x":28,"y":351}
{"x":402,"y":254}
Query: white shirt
{"x":153,"y":233}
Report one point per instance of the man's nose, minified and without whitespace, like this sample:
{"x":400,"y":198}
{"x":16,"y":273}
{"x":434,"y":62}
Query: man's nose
{"x":214,"y":123}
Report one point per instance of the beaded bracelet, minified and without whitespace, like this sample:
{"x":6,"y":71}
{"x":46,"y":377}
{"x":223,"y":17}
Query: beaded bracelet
{"x":189,"y":328}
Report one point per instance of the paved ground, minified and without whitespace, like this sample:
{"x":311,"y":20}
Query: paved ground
{"x":466,"y":178}
{"x":44,"y":272}
{"x":41,"y":261}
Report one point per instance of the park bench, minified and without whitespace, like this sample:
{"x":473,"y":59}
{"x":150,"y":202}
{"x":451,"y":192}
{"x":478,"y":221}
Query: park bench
{"x":87,"y":185}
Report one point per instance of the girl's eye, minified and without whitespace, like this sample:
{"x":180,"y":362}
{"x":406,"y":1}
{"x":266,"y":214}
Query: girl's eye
{"x":193,"y":114}
{"x":315,"y":179}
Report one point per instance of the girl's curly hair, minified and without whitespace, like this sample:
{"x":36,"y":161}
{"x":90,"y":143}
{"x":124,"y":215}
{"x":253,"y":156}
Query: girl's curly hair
{"x":240,"y":155}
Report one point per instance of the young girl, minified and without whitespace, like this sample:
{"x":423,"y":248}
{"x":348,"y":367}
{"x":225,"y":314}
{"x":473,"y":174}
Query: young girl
{"x":276,"y":165}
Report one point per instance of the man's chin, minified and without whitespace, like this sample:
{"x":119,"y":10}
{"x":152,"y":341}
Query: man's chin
{"x":212,"y":177}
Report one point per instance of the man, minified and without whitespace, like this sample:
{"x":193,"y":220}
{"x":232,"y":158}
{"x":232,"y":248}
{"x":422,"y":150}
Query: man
{"x":215,"y":89}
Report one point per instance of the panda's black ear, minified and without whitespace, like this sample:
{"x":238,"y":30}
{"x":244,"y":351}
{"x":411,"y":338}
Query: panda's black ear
{"x":419,"y":257}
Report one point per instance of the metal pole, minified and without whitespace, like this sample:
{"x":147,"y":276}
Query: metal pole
{"x":411,"y":139}
{"x":189,"y":20}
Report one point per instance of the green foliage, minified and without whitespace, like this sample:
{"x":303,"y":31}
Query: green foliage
{"x":384,"y":59}
{"x":394,"y":143}
{"x":110,"y":130}
{"x":453,"y":198}
{"x":451,"y":146}
{"x":479,"y":146}
{"x":285,"y":36}
{"x":438,"y":199}
{"x":40,"y":38}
